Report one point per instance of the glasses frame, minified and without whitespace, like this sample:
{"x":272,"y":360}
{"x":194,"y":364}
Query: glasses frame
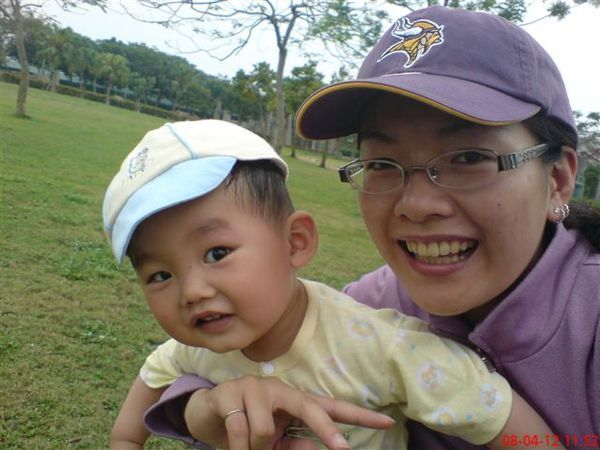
{"x":509,"y":161}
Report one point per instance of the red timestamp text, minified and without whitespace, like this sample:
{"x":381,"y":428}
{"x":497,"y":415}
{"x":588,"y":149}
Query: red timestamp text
{"x":551,"y":440}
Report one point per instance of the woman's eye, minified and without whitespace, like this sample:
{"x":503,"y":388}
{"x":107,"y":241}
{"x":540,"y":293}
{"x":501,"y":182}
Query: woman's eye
{"x":159,"y":277}
{"x":471,"y":157}
{"x":378,"y":165}
{"x":216,"y":254}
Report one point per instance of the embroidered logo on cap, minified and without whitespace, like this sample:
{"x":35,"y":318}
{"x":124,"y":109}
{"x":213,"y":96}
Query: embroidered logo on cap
{"x":416,"y":39}
{"x":138,"y":162}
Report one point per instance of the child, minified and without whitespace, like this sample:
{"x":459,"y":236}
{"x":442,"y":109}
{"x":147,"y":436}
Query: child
{"x":203,"y":213}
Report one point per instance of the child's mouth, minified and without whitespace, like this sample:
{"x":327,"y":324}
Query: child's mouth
{"x":209,"y":318}
{"x":439,"y":252}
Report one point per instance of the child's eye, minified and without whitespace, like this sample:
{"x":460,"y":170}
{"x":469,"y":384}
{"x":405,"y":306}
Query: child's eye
{"x":216,"y":254}
{"x":159,"y":277}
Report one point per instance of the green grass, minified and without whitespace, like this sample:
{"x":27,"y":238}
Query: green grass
{"x":75,"y":328}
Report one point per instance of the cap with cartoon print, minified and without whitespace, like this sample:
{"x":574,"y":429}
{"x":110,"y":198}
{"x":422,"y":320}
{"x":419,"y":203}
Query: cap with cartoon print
{"x":175,"y":163}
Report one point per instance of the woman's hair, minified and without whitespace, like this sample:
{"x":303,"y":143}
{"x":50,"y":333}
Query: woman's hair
{"x":583,"y":217}
{"x":259,"y":187}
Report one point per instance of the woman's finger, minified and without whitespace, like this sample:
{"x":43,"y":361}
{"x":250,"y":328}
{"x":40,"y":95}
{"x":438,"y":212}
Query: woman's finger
{"x":344,"y":412}
{"x":204,"y":417}
{"x":263,"y":432}
{"x":295,"y":444}
{"x":318,"y":413}
{"x":314,"y":416}
{"x":238,"y":430}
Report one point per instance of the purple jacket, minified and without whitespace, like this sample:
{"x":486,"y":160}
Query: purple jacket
{"x":544,"y":337}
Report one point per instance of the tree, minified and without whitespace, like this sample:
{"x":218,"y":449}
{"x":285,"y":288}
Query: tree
{"x":513,"y":10}
{"x":588,"y":127}
{"x":53,"y":52}
{"x":141,"y":87}
{"x":198,"y":98}
{"x":303,"y":81}
{"x":14,"y":12}
{"x":232,"y":24}
{"x":183,"y":78}
{"x":77,"y":57}
{"x":114,"y":71}
{"x":89,"y":56}
{"x":254,"y":94}
{"x":591,"y":177}
{"x":346,"y":28}
{"x":95,"y":69}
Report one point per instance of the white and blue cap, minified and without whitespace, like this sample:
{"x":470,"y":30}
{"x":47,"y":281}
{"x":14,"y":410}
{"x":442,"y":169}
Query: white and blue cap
{"x":173,"y":164}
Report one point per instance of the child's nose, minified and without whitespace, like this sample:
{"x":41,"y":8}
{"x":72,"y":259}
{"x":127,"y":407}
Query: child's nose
{"x":196,"y":288}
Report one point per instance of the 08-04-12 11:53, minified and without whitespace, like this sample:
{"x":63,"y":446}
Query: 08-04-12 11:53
{"x":553,"y":440}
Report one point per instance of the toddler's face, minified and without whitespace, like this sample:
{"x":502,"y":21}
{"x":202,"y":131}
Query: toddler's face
{"x":216,"y":276}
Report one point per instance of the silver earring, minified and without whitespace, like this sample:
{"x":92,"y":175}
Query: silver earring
{"x":563,"y":211}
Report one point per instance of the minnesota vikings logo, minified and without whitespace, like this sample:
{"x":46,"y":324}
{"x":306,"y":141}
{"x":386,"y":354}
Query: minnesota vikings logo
{"x":416,"y":39}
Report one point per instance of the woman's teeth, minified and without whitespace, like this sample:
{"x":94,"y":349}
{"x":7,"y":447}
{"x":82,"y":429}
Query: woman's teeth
{"x":440,"y":252}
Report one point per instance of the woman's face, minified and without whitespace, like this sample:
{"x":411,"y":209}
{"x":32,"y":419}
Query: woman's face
{"x":456,"y":251}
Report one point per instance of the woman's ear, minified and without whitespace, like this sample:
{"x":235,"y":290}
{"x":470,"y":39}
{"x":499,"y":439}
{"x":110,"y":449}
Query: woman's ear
{"x":562,"y":181}
{"x":303,"y":238}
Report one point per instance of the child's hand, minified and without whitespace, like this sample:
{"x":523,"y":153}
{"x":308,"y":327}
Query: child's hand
{"x":270,"y":407}
{"x":129,"y":432}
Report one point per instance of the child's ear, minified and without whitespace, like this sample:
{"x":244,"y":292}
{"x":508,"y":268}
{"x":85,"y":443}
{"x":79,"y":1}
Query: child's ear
{"x":303,"y":238}
{"x":562,"y":181}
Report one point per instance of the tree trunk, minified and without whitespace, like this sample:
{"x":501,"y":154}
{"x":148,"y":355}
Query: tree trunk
{"x":218,"y":108}
{"x":329,"y":147}
{"x":82,"y":85}
{"x":323,"y":163}
{"x":22,"y":52}
{"x":280,"y":110}
{"x":108,"y":89}
{"x":292,"y":134}
{"x":54,"y":81}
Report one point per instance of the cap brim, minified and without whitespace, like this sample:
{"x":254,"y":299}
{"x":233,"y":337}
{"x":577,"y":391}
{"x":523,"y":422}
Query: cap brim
{"x":335,"y":111}
{"x":181,"y":183}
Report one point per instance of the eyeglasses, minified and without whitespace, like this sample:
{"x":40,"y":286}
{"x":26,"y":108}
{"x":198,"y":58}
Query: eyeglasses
{"x":460,"y":169}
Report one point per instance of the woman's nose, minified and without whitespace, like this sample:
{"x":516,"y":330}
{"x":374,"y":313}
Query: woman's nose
{"x":421,"y":199}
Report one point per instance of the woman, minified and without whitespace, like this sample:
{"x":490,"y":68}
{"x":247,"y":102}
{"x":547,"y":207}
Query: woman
{"x":467,"y":167}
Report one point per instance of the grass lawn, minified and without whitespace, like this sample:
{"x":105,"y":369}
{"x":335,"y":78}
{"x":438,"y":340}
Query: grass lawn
{"x":75,"y":328}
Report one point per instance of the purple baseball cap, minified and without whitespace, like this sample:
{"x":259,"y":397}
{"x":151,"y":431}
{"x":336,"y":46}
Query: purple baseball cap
{"x":473,"y":65}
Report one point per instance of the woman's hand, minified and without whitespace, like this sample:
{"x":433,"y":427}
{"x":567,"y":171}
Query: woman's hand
{"x":270,"y":407}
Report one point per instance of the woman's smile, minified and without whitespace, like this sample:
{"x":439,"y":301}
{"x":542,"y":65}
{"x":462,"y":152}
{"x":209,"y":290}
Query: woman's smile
{"x":439,"y":252}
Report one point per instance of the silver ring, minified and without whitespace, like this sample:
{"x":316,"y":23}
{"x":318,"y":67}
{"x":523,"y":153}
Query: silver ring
{"x":234,"y":411}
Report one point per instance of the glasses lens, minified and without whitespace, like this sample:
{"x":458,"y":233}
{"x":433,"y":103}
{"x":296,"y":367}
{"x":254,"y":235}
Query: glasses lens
{"x":375,"y":176}
{"x":464,"y":168}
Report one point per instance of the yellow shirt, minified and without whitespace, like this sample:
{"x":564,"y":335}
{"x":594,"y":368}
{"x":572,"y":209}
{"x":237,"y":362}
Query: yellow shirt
{"x":379,"y":359}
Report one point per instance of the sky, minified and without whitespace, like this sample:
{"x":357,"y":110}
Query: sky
{"x":572,"y":42}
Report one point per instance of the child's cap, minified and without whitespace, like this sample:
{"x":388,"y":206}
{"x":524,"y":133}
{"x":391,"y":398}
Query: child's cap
{"x":174,"y":164}
{"x":473,"y":65}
